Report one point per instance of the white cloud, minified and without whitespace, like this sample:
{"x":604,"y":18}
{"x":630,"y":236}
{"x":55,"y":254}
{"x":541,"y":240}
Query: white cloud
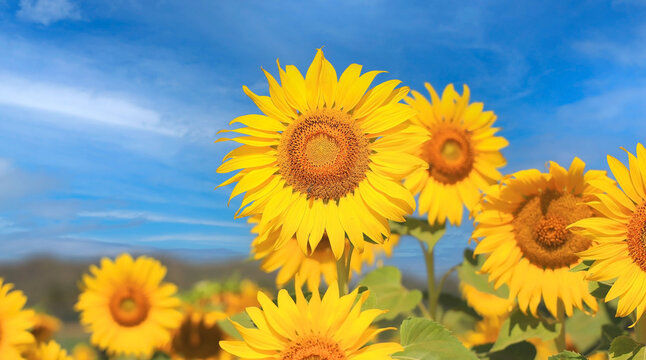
{"x":220,"y":239}
{"x":80,"y":104}
{"x":48,"y":11}
{"x":624,"y":50}
{"x":153,"y":217}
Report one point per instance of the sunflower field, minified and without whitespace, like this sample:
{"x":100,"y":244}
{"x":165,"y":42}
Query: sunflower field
{"x":333,"y":170}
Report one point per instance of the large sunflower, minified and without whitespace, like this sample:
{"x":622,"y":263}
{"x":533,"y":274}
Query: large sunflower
{"x":620,"y":233}
{"x":523,"y":224}
{"x":292,"y":263}
{"x":14,"y":323}
{"x":327,"y":328}
{"x":327,"y":157}
{"x":127,"y":307}
{"x":461,"y":151}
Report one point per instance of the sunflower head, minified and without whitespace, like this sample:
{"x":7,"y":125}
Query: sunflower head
{"x":523,"y":227}
{"x":461,"y":150}
{"x":126,"y":299}
{"x":619,"y":233}
{"x":48,"y":351}
{"x":15,"y":322}
{"x":332,"y":328}
{"x":45,"y":326}
{"x":327,"y":157}
{"x":198,"y":336}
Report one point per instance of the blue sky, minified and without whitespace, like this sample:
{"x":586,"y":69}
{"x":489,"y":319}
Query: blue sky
{"x":109,"y":109}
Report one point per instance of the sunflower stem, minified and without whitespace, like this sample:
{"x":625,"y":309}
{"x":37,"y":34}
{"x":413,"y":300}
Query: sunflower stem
{"x":433,"y":296}
{"x":560,"y":317}
{"x":343,"y":271}
{"x":640,"y":330}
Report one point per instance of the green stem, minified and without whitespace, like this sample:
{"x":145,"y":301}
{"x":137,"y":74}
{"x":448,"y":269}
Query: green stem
{"x":560,"y":317}
{"x":423,"y":309}
{"x":640,"y":330}
{"x":343,"y":271}
{"x":430,"y":276}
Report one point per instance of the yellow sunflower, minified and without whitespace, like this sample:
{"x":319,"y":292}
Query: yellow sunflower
{"x":486,"y":332}
{"x":198,"y":337}
{"x":48,"y":351}
{"x":460,"y":149}
{"x":327,"y":328}
{"x":14,"y":323}
{"x":620,"y":233}
{"x":523,"y":224}
{"x":45,"y":326}
{"x":327,"y":157}
{"x":290,"y":261}
{"x":245,"y":296}
{"x":126,"y":307}
{"x":485,"y":304}
{"x":83,"y":351}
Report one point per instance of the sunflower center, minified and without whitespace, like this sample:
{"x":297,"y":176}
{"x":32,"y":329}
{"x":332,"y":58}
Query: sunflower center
{"x":636,"y":236}
{"x":313,"y":348}
{"x":129,"y":306}
{"x":323,"y":154}
{"x":540,"y":229}
{"x":197,"y":339}
{"x":449,"y":154}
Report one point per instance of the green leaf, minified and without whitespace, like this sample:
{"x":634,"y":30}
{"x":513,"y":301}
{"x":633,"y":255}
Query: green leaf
{"x":241,"y":318}
{"x":457,"y":316}
{"x":608,"y":333}
{"x":583,"y":266}
{"x":598,"y":289}
{"x":567,"y":355}
{"x":387,"y":292}
{"x":468,"y":273}
{"x":625,"y":348}
{"x":585,"y":330}
{"x":420,"y":229}
{"x":521,"y":350}
{"x":424,"y":339}
{"x":519,"y":327}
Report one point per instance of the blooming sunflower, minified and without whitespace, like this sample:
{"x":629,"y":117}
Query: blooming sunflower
{"x":485,"y":304}
{"x":620,"y":233}
{"x":329,"y":328}
{"x":82,"y":351}
{"x":327,"y":157}
{"x":198,"y":337}
{"x":461,"y":151}
{"x":45,"y":326}
{"x":48,"y":351}
{"x":320,"y":263}
{"x":523,"y":224}
{"x":127,"y":307}
{"x":14,"y":323}
{"x":245,"y":296}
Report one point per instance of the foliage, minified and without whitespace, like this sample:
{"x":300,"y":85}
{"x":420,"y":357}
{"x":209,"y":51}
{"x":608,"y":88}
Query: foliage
{"x":519,"y":327}
{"x":387,"y":292}
{"x":424,"y":339}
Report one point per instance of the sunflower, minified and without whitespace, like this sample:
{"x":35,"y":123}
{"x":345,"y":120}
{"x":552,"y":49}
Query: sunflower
{"x":198,"y":337}
{"x":485,"y":304}
{"x":82,"y":351}
{"x":48,"y":351}
{"x":620,"y":233}
{"x":327,"y":157}
{"x":486,"y":332}
{"x":45,"y":326}
{"x":245,"y":296}
{"x":327,"y":328}
{"x":127,"y":307}
{"x":460,"y":149}
{"x":320,"y":263}
{"x":14,"y":323}
{"x":523,"y":224}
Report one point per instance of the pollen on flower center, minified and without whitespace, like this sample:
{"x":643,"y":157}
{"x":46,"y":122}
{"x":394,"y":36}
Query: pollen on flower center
{"x":636,"y":236}
{"x":540,"y":229}
{"x":313,"y":348}
{"x":449,"y":154}
{"x":129,"y":306}
{"x":323,"y":154}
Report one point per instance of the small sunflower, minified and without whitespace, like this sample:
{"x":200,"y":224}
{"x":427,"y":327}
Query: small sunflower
{"x":486,"y":332}
{"x":14,"y":323}
{"x":485,"y":304}
{"x":523,"y":224}
{"x":330,"y":328}
{"x":48,"y":351}
{"x":620,"y":233}
{"x":327,"y":157}
{"x":460,"y":149}
{"x":245,"y":296}
{"x":198,"y":337}
{"x":82,"y":351}
{"x":292,"y":263}
{"x":45,"y":326}
{"x":124,"y":300}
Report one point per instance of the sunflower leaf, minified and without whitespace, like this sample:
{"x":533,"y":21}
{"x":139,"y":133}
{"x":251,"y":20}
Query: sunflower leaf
{"x":424,"y":339}
{"x":625,"y":348}
{"x":598,"y":289}
{"x":519,"y":327}
{"x":567,"y":355}
{"x":585,"y":330}
{"x":583,"y":266}
{"x":469,"y":273}
{"x":387,"y":292}
{"x":521,"y":350}
{"x":420,"y":229}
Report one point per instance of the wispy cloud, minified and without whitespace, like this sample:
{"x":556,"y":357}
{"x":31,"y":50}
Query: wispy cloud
{"x":48,"y":11}
{"x":80,"y":104}
{"x":17,"y":183}
{"x":220,"y":239}
{"x":624,"y":50}
{"x":153,"y":217}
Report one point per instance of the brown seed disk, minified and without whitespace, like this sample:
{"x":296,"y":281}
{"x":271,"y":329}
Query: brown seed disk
{"x":540,"y":229}
{"x":449,"y":154}
{"x":129,"y":306}
{"x":323,"y":154}
{"x":197,"y":340}
{"x":636,"y":237}
{"x":313,"y":348}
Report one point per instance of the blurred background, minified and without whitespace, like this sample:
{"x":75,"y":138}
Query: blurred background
{"x":109,"y":110}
